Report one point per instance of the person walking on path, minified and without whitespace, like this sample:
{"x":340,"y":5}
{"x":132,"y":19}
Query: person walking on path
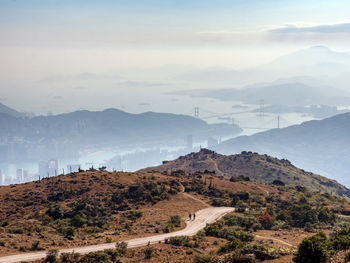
{"x":190,"y":216}
{"x":194,"y":216}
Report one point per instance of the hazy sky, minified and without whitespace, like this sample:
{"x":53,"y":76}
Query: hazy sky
{"x":50,"y":49}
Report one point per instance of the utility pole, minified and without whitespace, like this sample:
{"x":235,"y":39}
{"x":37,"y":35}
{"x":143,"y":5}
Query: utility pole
{"x":196,"y":112}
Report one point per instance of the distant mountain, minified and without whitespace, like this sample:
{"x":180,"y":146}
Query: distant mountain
{"x":289,"y":93}
{"x":259,"y":168}
{"x":320,"y":146}
{"x":53,"y":135}
{"x":7,"y":110}
{"x":321,"y":64}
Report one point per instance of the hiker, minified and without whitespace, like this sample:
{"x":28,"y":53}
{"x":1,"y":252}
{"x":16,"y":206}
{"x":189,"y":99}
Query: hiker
{"x":189,"y":216}
{"x":194,"y":216}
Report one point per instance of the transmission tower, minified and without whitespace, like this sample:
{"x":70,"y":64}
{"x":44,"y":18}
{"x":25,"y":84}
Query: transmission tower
{"x":196,"y":112}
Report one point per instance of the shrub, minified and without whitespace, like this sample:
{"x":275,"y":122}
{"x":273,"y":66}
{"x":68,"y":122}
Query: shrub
{"x":99,"y":257}
{"x":206,"y":259}
{"x":121,"y":247}
{"x":261,"y":252}
{"x":55,"y":211}
{"x":148,"y":252}
{"x":178,"y":241}
{"x":69,"y":257}
{"x":347,"y":257}
{"x":314,"y":249}
{"x":113,"y":253}
{"x":266,"y":220}
{"x":51,"y":256}
{"x":231,"y":246}
{"x":35,"y":246}
{"x":77,"y":221}
{"x":175,"y":220}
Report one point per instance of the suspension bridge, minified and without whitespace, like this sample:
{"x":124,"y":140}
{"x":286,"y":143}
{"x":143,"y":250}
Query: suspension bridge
{"x":276,"y":121}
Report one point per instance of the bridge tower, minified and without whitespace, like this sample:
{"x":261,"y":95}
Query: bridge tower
{"x":196,"y":112}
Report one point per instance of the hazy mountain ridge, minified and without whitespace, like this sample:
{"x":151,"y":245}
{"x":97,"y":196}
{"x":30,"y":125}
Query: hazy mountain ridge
{"x":65,"y":134}
{"x":259,"y":168}
{"x":7,"y":110}
{"x":320,"y":145}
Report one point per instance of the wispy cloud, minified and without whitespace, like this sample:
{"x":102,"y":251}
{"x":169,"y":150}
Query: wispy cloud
{"x":320,"y":29}
{"x":293,"y":32}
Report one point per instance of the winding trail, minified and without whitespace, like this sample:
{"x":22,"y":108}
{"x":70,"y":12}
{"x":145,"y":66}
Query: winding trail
{"x":276,"y":240}
{"x":203,"y":217}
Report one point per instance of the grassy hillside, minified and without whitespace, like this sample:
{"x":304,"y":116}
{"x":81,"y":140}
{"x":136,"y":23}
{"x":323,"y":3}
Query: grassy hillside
{"x":259,"y":168}
{"x":96,"y":207}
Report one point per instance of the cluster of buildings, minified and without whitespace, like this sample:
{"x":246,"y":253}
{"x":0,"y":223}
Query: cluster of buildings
{"x":45,"y":169}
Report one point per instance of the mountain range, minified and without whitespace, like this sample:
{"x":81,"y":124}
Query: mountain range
{"x":42,"y":136}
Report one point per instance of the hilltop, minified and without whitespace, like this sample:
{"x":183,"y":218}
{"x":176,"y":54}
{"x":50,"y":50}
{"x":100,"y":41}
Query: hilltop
{"x":319,"y":145}
{"x":259,"y":168}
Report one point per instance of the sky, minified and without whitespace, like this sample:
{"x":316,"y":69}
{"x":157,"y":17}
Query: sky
{"x":53,"y":50}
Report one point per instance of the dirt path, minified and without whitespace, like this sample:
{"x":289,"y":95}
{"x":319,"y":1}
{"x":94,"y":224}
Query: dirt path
{"x":277,"y":240}
{"x":193,"y":197}
{"x":203,"y":217}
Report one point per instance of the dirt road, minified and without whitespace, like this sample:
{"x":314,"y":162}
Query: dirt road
{"x":203,"y":217}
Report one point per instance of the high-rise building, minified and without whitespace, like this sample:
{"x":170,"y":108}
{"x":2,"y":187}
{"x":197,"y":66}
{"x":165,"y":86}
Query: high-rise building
{"x":212,"y":142}
{"x":73,"y":168}
{"x":43,"y":169}
{"x":53,"y":167}
{"x":189,"y":144}
{"x":2,"y":177}
{"x":20,"y":175}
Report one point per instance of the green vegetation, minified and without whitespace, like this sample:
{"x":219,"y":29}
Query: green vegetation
{"x":319,"y":248}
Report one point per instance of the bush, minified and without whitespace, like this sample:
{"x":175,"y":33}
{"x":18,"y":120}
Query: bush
{"x":314,"y":249}
{"x":231,"y":246}
{"x":347,"y":257}
{"x":266,"y":220}
{"x":77,"y":221}
{"x":148,"y":252}
{"x":261,"y":252}
{"x":51,"y":256}
{"x":112,"y":253}
{"x":97,"y":257}
{"x":69,"y":257}
{"x":206,"y":259}
{"x":35,"y":246}
{"x":175,"y":220}
{"x":121,"y":247}
{"x":340,"y":238}
{"x":178,"y":241}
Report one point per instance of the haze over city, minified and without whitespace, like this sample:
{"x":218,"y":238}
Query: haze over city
{"x":198,"y":131}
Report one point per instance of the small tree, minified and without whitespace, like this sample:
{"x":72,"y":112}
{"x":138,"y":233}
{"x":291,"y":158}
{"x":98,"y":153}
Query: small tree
{"x":314,"y":249}
{"x":266,"y":220}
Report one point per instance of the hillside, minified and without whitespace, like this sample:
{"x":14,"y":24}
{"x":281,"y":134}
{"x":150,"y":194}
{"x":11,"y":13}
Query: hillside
{"x":320,"y":145}
{"x":96,"y":207}
{"x":259,"y":168}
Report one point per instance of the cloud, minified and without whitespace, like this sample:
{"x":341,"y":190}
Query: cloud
{"x":293,"y":32}
{"x":320,"y":29}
